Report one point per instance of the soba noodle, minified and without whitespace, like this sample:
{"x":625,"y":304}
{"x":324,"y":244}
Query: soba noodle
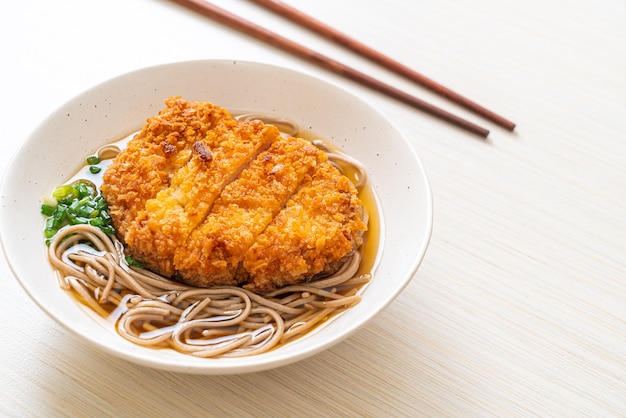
{"x":225,"y":321}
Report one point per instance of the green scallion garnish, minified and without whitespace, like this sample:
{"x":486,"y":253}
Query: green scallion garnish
{"x":47,"y":210}
{"x":77,"y":203}
{"x":132,"y":262}
{"x":92,"y":160}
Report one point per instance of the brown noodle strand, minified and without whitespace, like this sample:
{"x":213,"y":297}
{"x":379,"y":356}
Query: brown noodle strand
{"x":220,"y":349}
{"x":100,"y":273}
{"x":275,"y":336}
{"x":224,"y":321}
{"x":300,"y":327}
{"x":108,"y":151}
{"x":302,"y":300}
{"x":63,"y":284}
{"x":265,"y":301}
{"x":348,"y":271}
{"x":306,"y":288}
{"x":151,"y":279}
{"x":93,"y":274}
{"x":347,"y":301}
{"x":360,"y":175}
{"x":129,"y":281}
{"x":300,"y":318}
{"x":79,"y":288}
{"x":111,"y":276}
{"x":126,"y":331}
{"x":355,"y":281}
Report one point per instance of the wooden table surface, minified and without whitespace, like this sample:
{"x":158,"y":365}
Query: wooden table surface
{"x":519,"y":308}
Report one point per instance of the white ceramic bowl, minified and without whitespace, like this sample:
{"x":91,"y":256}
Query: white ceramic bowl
{"x":120,"y":106}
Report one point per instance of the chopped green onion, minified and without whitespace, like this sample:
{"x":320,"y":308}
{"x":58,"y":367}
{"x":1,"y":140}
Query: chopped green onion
{"x":94,"y":159}
{"x":132,"y":262}
{"x":77,"y":203}
{"x":59,"y":216}
{"x":50,"y":228}
{"x":109,"y":230}
{"x":50,"y":201}
{"x":47,"y":210}
{"x":63,"y":192}
{"x":84,"y":189}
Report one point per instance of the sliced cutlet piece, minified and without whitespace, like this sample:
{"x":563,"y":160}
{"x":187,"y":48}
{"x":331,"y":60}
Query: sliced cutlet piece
{"x":214,"y":251}
{"x":320,"y":226}
{"x":169,"y":217}
{"x":151,"y":157}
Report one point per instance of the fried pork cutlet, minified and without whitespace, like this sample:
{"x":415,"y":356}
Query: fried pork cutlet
{"x":312,"y":235}
{"x":210,"y":200}
{"x":214,"y":251}
{"x":213,"y":149}
{"x":154,"y":155}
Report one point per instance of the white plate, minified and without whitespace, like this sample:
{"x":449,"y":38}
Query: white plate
{"x":120,"y":106}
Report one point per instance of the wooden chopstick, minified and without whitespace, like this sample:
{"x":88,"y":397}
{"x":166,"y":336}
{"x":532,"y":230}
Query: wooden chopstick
{"x":309,"y":22}
{"x":240,"y":24}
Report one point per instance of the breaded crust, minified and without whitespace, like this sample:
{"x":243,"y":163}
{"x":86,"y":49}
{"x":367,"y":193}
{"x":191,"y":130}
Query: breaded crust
{"x":177,"y":210}
{"x":214,"y":251}
{"x":318,"y":228}
{"x":210,"y":200}
{"x":154,"y":155}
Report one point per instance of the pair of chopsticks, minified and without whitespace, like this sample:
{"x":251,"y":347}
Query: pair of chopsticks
{"x":294,"y":48}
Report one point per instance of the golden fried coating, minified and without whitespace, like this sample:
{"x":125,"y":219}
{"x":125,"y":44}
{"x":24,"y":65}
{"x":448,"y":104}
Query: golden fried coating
{"x":318,"y":228}
{"x":207,"y":148}
{"x":214,"y":251}
{"x":203,"y":197}
{"x":154,"y":155}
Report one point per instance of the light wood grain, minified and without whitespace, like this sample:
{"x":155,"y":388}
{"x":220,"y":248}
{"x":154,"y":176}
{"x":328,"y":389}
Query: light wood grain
{"x":519,"y":308}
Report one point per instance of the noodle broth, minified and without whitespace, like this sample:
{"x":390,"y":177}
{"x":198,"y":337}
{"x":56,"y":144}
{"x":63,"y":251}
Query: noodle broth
{"x":177,"y":316}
